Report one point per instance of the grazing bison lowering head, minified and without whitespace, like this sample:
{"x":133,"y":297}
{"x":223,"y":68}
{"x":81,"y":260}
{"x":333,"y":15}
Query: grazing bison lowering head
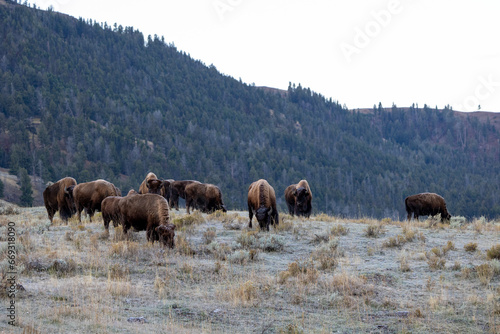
{"x":147,"y":212}
{"x":56,"y":199}
{"x":426,"y":204}
{"x":262,"y":203}
{"x":298,"y":199}
{"x":206,"y":197}
{"x":89,"y":195}
{"x":166,"y":234}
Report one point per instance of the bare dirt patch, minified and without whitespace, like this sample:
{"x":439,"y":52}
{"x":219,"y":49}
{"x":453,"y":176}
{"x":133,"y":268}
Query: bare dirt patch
{"x":319,"y":275}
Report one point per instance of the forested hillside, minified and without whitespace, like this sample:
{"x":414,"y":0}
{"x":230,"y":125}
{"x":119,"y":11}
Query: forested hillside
{"x":83,"y":99}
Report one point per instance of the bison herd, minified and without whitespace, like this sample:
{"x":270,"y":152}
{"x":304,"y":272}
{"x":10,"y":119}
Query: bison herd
{"x":148,"y":209}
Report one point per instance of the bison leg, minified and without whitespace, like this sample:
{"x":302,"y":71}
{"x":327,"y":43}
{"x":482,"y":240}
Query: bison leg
{"x":250,"y":215}
{"x":409,"y":216}
{"x":106,"y":221}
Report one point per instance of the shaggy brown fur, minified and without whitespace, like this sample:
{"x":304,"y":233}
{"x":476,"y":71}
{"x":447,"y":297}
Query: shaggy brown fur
{"x":151,"y":184}
{"x":426,"y":204}
{"x":206,"y":197}
{"x":89,"y":196}
{"x":262,"y":203}
{"x":178,"y":189}
{"x":56,"y":199}
{"x":147,"y":212}
{"x":298,"y":198}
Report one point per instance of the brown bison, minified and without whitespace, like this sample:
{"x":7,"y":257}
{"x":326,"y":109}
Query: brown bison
{"x":426,"y":204}
{"x":89,"y":196}
{"x":298,"y":198}
{"x":178,"y":189}
{"x":206,"y":197}
{"x":262,"y":203}
{"x":151,"y":185}
{"x":148,"y":212}
{"x":110,"y":210}
{"x":56,"y":199}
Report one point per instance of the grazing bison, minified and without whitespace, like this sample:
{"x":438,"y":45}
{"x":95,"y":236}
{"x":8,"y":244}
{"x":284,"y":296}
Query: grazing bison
{"x":89,"y":196}
{"x":147,"y":212}
{"x":178,"y":189}
{"x":298,"y":198}
{"x":262,"y":203}
{"x":426,"y":204}
{"x":206,"y":197}
{"x":56,"y":199}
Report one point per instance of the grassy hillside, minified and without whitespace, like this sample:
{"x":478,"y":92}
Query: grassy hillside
{"x":322,"y":275}
{"x":89,"y":100}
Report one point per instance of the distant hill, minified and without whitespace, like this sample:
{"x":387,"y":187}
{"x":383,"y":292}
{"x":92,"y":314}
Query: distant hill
{"x":90,"y":100}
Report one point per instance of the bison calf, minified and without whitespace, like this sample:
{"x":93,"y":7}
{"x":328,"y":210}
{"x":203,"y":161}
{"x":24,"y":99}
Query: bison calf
{"x":262,"y":203}
{"x":426,"y":204}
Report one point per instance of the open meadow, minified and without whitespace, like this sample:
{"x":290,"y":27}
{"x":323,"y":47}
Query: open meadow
{"x":317,"y":275}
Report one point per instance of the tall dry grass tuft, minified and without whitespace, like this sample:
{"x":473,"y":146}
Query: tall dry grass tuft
{"x":493,"y":252}
{"x":374,"y":230}
{"x":126,"y":249}
{"x":241,"y":294}
{"x":485,"y":273}
{"x":470,"y":247}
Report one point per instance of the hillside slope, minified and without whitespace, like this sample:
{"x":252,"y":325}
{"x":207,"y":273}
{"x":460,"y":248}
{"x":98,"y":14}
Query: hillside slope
{"x":91,"y":101}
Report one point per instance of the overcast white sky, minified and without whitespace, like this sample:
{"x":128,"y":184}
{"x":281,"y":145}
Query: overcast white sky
{"x":359,"y":52}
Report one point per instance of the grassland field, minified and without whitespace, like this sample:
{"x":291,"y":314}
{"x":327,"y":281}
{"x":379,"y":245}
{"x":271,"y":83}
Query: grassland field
{"x":319,"y":275}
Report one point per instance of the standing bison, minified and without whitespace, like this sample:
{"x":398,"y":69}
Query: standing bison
{"x":111,"y":211}
{"x":151,"y":185}
{"x":89,"y":196}
{"x":298,"y":198}
{"x":147,"y":212}
{"x":262,"y":203}
{"x":426,"y":204}
{"x":206,"y":197}
{"x":56,"y":199}
{"x":178,"y":189}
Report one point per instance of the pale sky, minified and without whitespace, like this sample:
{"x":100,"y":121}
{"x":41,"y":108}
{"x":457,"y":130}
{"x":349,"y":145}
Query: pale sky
{"x":358,"y":52}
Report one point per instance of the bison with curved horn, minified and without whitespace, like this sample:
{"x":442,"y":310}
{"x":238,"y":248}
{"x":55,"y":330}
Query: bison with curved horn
{"x":262,"y":203}
{"x":56,"y":199}
{"x":147,"y":212}
{"x":426,"y":204}
{"x":89,"y":196}
{"x":298,"y":198}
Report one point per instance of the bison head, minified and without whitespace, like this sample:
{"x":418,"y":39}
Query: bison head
{"x":154,"y":186}
{"x":301,"y":195}
{"x":166,"y":234}
{"x":68,"y":191}
{"x":263,"y":213}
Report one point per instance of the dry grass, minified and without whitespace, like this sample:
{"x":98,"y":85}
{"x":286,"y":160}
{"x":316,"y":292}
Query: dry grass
{"x":304,"y":276}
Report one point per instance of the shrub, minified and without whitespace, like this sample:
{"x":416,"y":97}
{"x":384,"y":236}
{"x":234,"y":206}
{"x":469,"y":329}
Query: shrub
{"x":338,"y":230}
{"x":470,"y":247}
{"x":374,"y":230}
{"x":484,"y":273}
{"x":209,"y":235}
{"x":493,"y":252}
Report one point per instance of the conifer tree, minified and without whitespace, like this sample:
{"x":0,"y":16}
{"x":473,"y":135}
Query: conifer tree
{"x":26,"y":189}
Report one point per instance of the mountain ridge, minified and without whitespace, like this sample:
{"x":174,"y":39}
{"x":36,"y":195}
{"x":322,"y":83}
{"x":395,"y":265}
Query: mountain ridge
{"x":88,"y":100}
